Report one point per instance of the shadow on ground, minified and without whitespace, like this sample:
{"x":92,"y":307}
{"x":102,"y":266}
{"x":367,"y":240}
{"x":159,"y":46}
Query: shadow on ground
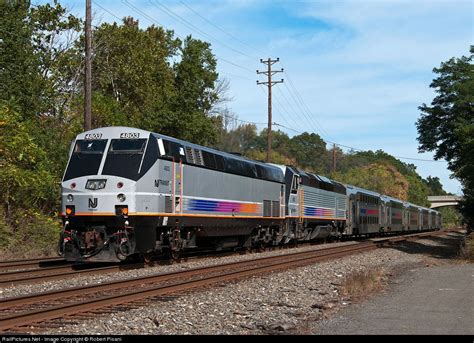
{"x":442,"y":248}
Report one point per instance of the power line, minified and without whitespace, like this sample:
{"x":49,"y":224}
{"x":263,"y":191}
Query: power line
{"x":308,"y":112}
{"x":190,"y":25}
{"x":153,"y":20}
{"x":220,"y":29}
{"x":302,"y":119}
{"x":295,"y":95}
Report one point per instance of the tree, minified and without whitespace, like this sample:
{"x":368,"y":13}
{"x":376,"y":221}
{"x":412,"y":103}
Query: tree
{"x":196,"y":95}
{"x":309,"y":150}
{"x":34,"y":43}
{"x":379,"y":177}
{"x":133,"y":81}
{"x":447,"y":126}
{"x":435,"y":186}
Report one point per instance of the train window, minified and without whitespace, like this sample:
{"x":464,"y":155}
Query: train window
{"x":294,"y":184}
{"x":314,"y":182}
{"x":249,"y":169}
{"x":85,"y":158}
{"x":209,"y":159}
{"x":151,"y":155}
{"x":124,"y":158}
{"x":90,"y":147}
{"x":127,"y":146}
{"x":261,"y":172}
{"x":172,"y":150}
{"x":277,"y":175}
{"x":232,"y":166}
{"x":219,"y":162}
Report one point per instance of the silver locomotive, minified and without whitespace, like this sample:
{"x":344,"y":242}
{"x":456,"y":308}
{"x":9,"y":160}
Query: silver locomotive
{"x":128,"y":192}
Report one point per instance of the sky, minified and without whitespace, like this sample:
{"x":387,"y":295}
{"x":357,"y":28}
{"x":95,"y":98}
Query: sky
{"x":355,"y":71}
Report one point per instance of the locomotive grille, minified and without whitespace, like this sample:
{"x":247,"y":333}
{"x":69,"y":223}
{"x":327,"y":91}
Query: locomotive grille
{"x":267,"y":208}
{"x":189,"y":154}
{"x":168,"y":204}
{"x":198,"y":157}
{"x":275,"y":208}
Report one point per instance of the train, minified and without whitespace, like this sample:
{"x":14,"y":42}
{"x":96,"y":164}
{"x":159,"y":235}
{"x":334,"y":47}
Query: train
{"x":129,"y":193}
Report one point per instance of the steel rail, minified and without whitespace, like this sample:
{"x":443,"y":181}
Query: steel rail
{"x":65,"y":293}
{"x":31,"y":263}
{"x":281,"y":262}
{"x":54,"y":273}
{"x":250,"y":267}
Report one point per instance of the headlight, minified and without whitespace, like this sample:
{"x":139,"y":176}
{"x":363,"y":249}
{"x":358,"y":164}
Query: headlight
{"x":95,"y":184}
{"x":121,"y":197}
{"x":70,"y":198}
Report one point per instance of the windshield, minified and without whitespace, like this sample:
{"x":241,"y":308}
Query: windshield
{"x":85,"y":158}
{"x":124,"y":158}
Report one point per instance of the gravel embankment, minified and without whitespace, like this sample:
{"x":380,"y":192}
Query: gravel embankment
{"x":91,"y":279}
{"x":287,"y":302}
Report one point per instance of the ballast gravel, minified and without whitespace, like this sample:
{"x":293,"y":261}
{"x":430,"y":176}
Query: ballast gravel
{"x":287,"y":302}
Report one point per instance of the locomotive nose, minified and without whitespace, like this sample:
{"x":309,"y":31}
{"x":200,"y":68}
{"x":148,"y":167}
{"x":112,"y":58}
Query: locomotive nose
{"x":98,"y":195}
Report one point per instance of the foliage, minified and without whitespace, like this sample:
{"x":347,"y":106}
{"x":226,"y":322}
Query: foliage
{"x":451,"y":217}
{"x":28,"y":186}
{"x":136,"y":84}
{"x":376,"y":171}
{"x":447,"y":126}
{"x":34,"y":41}
{"x":149,"y":79}
{"x":379,"y":177}
{"x":307,"y":149}
{"x":26,"y":179}
{"x":434,"y":185}
{"x":144,"y":78}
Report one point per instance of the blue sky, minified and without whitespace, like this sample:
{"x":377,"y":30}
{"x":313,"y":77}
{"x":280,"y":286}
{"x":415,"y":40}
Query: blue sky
{"x":355,"y":71}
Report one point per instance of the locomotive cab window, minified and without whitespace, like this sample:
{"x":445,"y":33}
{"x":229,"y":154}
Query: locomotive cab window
{"x":127,"y":146}
{"x":294,"y":184}
{"x":124,"y":158}
{"x":85,"y":158}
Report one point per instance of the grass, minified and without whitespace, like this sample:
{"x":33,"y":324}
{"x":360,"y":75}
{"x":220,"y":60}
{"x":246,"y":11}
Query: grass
{"x":360,"y":284}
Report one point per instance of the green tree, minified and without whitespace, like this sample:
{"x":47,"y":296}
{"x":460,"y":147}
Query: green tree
{"x":136,"y":83}
{"x":240,"y":140}
{"x":309,"y":151}
{"x":28,"y":187}
{"x":133,"y":81}
{"x":434,"y":185}
{"x":33,"y":53}
{"x":379,"y":177}
{"x":195,"y":82}
{"x":447,"y":126}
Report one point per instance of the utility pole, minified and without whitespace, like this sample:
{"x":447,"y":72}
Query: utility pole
{"x":269,"y":62}
{"x":88,"y":72}
{"x":334,"y":158}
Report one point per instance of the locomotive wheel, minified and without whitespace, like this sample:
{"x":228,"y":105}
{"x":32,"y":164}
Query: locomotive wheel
{"x":148,"y":258}
{"x":174,"y":255}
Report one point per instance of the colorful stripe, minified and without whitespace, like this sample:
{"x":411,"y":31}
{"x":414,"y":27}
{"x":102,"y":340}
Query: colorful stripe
{"x":221,"y":206}
{"x":319,"y":212}
{"x":368,"y":212}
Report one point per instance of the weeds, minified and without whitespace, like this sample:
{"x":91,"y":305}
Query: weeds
{"x":467,"y":248}
{"x":359,"y":284}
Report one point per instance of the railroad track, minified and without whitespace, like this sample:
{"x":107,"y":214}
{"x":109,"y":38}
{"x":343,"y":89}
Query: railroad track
{"x":13,"y":278}
{"x":32,"y":263}
{"x":57,"y":308}
{"x":58,"y":268}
